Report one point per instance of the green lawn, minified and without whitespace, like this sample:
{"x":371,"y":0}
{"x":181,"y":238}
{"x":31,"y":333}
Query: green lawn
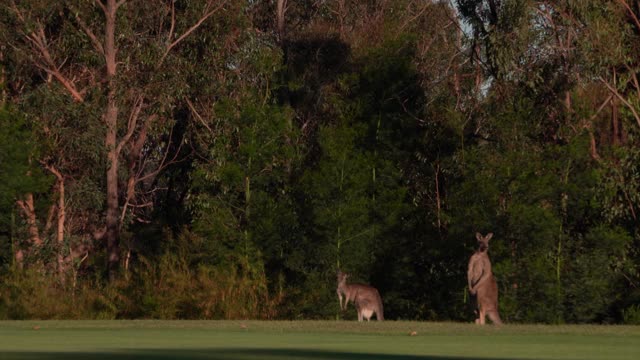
{"x":235,"y":340}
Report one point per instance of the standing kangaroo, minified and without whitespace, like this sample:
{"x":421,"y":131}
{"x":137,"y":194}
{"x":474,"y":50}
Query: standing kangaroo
{"x":366,"y":298}
{"x":482,"y":283}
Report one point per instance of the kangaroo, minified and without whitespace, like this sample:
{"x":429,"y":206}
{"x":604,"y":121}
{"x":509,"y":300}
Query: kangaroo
{"x":366,"y":298}
{"x":482,"y":283}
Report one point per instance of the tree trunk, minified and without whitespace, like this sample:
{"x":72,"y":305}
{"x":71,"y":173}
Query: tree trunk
{"x":111,"y":236}
{"x":3,"y":91}
{"x":62,"y":213}
{"x":456,"y":69}
{"x":615,"y":123}
{"x":438,"y":201}
{"x":29,"y":212}
{"x":60,"y":231}
{"x":479,"y":77}
{"x":593,"y":149}
{"x":111,"y":121}
{"x":19,"y":258}
{"x":341,"y":17}
{"x":281,"y":8}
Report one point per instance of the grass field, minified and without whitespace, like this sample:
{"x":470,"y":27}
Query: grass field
{"x":317,"y":340}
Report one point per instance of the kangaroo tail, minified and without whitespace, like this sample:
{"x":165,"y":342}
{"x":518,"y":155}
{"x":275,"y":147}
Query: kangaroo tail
{"x":379,"y":310}
{"x":494,"y":317}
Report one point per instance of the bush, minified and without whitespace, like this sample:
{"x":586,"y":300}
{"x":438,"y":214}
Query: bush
{"x":164,"y":289}
{"x":631,"y":315}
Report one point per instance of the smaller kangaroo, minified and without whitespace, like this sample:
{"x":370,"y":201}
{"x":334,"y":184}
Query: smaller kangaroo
{"x":366,"y":298}
{"x":482,"y":283}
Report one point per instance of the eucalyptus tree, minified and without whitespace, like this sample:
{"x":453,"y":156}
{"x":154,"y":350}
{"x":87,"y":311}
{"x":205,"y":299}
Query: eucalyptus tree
{"x":111,"y":73}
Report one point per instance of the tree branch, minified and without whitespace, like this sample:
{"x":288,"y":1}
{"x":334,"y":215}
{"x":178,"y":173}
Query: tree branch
{"x":634,"y":78}
{"x":604,"y":103}
{"x":164,"y":163}
{"x":133,"y":157}
{"x":197,"y":115}
{"x":193,"y":28}
{"x":615,"y":92}
{"x":131,"y":125}
{"x":147,"y":204}
{"x":631,"y":13}
{"x":29,"y":211}
{"x":50,"y":213}
{"x":102,"y":6}
{"x":173,"y":22}
{"x":414,"y":18}
{"x":94,"y":39}
{"x":38,"y":41}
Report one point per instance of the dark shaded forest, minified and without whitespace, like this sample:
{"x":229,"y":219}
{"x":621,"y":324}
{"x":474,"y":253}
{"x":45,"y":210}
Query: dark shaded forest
{"x":221,"y":159}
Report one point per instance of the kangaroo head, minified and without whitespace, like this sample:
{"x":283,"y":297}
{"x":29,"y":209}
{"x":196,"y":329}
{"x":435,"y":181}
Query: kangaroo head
{"x":342,"y":277}
{"x":483,"y":241}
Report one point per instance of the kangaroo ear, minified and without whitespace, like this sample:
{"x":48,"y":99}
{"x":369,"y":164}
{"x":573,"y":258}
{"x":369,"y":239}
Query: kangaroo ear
{"x":488,"y":237}
{"x":479,"y":236}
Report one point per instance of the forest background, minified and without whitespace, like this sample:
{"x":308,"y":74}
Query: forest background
{"x":221,"y":159}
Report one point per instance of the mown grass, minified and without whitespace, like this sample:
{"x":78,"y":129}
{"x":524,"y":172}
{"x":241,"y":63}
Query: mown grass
{"x":289,"y":340}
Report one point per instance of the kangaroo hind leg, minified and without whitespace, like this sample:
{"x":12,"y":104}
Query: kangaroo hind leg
{"x":481,"y":317}
{"x":494,"y":317}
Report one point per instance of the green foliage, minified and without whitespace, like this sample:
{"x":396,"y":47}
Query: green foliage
{"x":631,"y":315}
{"x":19,"y":174}
{"x":166,"y":287}
{"x":376,"y":137}
{"x":30,"y":295}
{"x":171,"y":289}
{"x":19,"y":151}
{"x":595,"y":275}
{"x":549,"y":249}
{"x":504,"y":29}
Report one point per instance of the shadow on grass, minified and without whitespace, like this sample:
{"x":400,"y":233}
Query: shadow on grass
{"x":220,"y":354}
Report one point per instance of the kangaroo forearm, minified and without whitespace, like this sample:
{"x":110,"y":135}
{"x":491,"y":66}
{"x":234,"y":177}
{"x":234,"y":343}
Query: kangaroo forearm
{"x":481,"y":281}
{"x":470,"y":276}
